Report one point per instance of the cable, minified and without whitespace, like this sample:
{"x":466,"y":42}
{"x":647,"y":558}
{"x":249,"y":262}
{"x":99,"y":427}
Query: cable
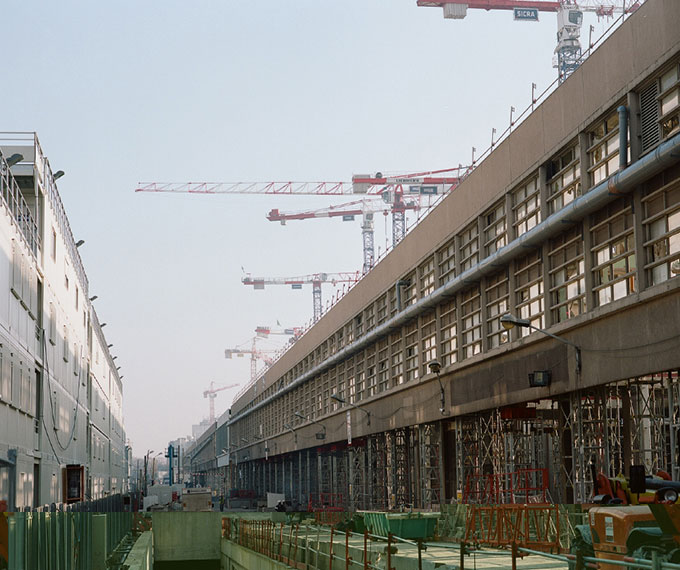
{"x":75,"y":415}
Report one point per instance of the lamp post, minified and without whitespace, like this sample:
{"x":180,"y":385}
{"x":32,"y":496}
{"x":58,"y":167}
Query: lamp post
{"x":321,"y":435}
{"x":289,"y":428}
{"x":509,"y":321}
{"x":343,"y":401}
{"x":436,"y":367}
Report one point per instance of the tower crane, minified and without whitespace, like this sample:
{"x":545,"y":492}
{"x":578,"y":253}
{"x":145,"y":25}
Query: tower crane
{"x":211,"y":393}
{"x":255,"y":355}
{"x":569,"y":19}
{"x":391,"y":189}
{"x":366,"y":208}
{"x":297,"y":282}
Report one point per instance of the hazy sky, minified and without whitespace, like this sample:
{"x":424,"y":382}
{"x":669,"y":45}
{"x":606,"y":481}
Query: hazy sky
{"x":130,"y":91}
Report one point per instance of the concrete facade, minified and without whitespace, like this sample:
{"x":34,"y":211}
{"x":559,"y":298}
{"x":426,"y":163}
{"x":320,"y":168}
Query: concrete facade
{"x":553,"y":227}
{"x":60,"y":392}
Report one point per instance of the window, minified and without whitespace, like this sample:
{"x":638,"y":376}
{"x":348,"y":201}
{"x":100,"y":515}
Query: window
{"x":66,"y":345}
{"x":54,"y":245}
{"x":381,"y":306}
{"x":426,"y":277}
{"x":411,"y":349}
{"x":660,"y":108}
{"x":495,"y":229}
{"x":497,"y":296}
{"x":383,"y":364}
{"x":567,"y":275}
{"x":429,"y":339}
{"x":529,"y":291}
{"x":564,"y":184}
{"x":603,"y":153}
{"x":470,"y":309}
{"x":446,"y":257}
{"x":410,"y":291}
{"x":449,"y":346}
{"x":669,"y":101}
{"x":371,"y":376}
{"x":662,"y":233}
{"x":613,"y":252}
{"x":53,"y":324}
{"x":397,"y":359}
{"x":77,"y":298}
{"x":526,"y":206}
{"x":469,"y":246}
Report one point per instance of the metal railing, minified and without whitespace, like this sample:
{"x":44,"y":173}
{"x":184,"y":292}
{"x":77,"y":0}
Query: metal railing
{"x":319,"y":547}
{"x":18,"y":208}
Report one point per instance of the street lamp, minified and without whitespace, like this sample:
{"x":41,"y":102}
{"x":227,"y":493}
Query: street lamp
{"x":509,"y":321}
{"x":321,"y":435}
{"x":435,"y":367}
{"x":342,"y":401}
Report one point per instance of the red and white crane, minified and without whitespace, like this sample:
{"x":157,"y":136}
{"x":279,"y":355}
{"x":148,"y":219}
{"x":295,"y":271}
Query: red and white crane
{"x":365,"y":208}
{"x":391,"y":188}
{"x":569,"y":19}
{"x":211,"y":393}
{"x":315,"y":279}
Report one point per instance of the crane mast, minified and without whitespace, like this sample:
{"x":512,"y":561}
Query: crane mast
{"x":255,"y":355}
{"x":569,"y":20}
{"x":211,"y":394}
{"x":365,"y":208}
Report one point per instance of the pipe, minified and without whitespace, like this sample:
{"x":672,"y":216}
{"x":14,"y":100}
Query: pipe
{"x":624,"y":181}
{"x":623,"y":136}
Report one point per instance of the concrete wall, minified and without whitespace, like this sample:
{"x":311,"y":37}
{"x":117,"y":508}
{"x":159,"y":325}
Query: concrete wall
{"x":141,"y":555}
{"x":186,"y":536}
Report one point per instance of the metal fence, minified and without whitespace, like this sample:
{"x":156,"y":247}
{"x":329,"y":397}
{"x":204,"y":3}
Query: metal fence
{"x":61,"y":540}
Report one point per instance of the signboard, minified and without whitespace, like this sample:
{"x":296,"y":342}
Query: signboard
{"x":348,"y":218}
{"x":349,"y":428}
{"x":428,"y":189}
{"x":405,"y":180}
{"x":526,"y":14}
{"x":296,"y":285}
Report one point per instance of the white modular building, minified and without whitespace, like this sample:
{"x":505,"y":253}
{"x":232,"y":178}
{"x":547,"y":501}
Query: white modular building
{"x":62,"y":437}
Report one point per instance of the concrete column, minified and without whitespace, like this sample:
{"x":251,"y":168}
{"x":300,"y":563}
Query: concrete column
{"x":583,"y":141}
{"x":99,"y":550}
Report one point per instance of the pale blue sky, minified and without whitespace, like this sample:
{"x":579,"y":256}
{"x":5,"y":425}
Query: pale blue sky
{"x":221,"y":90}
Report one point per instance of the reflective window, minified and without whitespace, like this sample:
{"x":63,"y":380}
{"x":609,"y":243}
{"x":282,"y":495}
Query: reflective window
{"x":567,"y":275}
{"x":564,"y":179}
{"x":613,"y":252}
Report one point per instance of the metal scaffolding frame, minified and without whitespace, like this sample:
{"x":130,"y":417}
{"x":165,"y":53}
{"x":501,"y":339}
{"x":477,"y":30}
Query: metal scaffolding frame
{"x":358,"y":492}
{"x":399,"y":465}
{"x":378,"y":479}
{"x":430,"y":439}
{"x":542,"y":451}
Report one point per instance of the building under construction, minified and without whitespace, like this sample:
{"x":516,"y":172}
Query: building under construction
{"x":570,"y":226}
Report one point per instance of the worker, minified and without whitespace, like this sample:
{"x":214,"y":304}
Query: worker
{"x":221,"y":502}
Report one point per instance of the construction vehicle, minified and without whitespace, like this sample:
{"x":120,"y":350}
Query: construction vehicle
{"x":637,"y":489}
{"x":623,"y":532}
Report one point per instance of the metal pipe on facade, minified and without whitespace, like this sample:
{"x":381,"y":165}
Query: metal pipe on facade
{"x":623,"y":136}
{"x":624,"y":181}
